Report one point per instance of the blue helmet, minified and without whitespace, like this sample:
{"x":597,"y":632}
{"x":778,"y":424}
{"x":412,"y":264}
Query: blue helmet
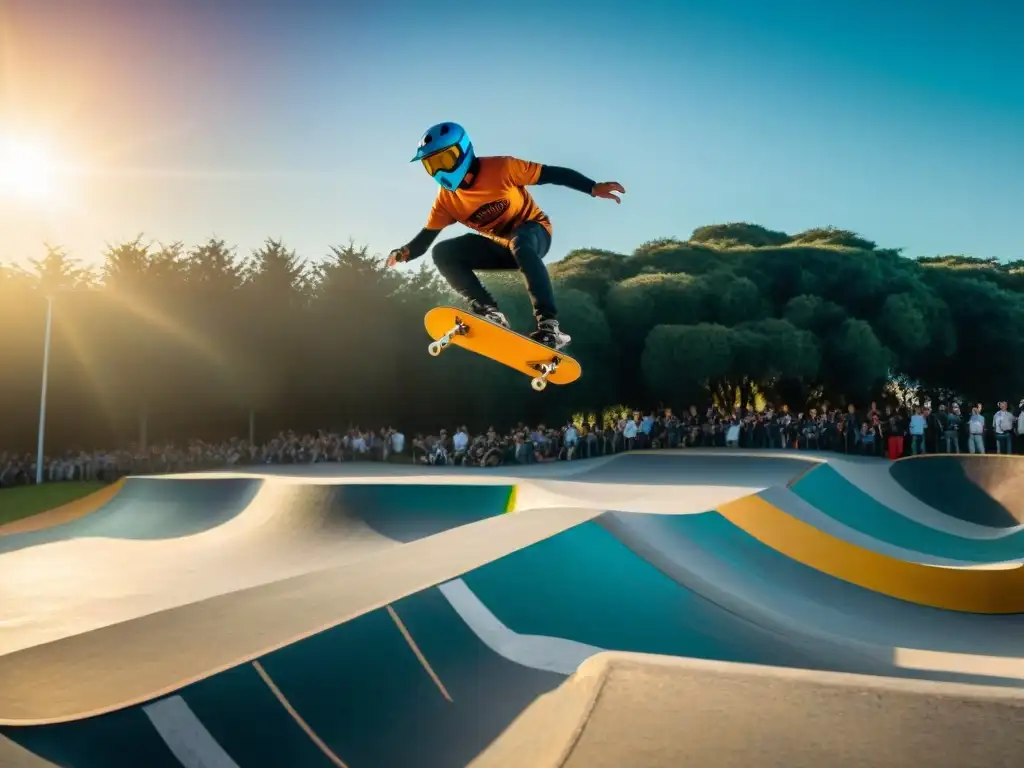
{"x":446,"y":152}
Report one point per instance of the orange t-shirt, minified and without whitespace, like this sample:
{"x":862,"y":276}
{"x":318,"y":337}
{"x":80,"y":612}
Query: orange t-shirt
{"x":496,"y":204}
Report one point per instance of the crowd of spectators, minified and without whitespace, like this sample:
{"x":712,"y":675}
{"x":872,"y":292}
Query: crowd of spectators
{"x":886,"y":431}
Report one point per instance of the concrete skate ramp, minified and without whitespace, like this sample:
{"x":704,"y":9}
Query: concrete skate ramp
{"x":287,"y":529}
{"x":367,"y":664}
{"x":460,"y":648}
{"x":853,"y":628}
{"x":824,"y":488}
{"x":151,"y":508}
{"x":986,"y":490}
{"x":699,"y":467}
{"x":655,"y":711}
{"x":400,"y":511}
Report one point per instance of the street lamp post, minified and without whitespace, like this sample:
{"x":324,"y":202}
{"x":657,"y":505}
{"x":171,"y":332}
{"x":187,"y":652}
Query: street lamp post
{"x":42,"y":397}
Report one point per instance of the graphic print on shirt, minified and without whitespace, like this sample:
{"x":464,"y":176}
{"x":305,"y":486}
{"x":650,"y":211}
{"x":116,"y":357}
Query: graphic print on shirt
{"x":488,"y":213}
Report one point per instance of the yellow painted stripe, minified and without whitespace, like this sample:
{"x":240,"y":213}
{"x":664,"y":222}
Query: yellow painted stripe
{"x":954,"y":589}
{"x":65,"y":513}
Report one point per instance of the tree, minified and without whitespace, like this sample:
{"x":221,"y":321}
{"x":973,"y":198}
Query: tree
{"x":168,"y":341}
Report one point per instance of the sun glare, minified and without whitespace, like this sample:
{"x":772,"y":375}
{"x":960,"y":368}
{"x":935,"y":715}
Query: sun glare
{"x":28,"y":171}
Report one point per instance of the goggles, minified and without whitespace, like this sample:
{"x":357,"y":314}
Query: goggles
{"x":443,"y":160}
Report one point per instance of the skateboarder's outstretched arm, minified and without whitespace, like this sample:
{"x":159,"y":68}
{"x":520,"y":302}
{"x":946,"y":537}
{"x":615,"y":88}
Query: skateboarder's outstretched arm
{"x":415,"y":247}
{"x":566,"y":177}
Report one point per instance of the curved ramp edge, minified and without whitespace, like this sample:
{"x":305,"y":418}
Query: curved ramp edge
{"x":982,"y":489}
{"x":855,"y":507}
{"x":65,"y":513}
{"x":873,"y":480}
{"x":954,"y":589}
{"x":794,"y":505}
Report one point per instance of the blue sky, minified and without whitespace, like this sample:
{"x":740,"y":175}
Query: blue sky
{"x":901,"y":121}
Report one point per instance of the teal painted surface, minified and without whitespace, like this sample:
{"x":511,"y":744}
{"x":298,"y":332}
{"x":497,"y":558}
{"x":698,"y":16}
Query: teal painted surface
{"x":406,"y":512}
{"x":246,"y":719}
{"x":586,"y":585}
{"x":834,"y":495}
{"x":365,"y":693}
{"x":123,"y":739}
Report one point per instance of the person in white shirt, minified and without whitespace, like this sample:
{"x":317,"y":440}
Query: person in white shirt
{"x":571,"y":435}
{"x":918,"y":424}
{"x":460,"y":444}
{"x":1003,"y":424}
{"x":976,"y":431}
{"x":397,"y":442}
{"x":732,"y":434}
{"x":629,"y":431}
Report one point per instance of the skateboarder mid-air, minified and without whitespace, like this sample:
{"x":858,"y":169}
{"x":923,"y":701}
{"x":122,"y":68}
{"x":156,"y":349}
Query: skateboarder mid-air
{"x":488,"y":194}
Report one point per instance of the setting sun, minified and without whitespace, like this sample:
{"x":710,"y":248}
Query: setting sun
{"x":28,"y":171}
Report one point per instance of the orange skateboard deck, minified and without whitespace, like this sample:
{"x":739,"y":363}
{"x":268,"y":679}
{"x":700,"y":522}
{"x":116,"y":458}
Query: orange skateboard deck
{"x":448,"y":326}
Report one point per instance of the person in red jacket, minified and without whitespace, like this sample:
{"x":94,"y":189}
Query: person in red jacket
{"x":489,"y":195}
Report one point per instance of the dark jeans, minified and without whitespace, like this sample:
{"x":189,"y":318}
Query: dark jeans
{"x":458,"y":258}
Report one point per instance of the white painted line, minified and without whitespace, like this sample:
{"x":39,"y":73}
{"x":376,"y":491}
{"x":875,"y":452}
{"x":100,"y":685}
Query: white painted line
{"x":961,"y":663}
{"x":549,"y":654}
{"x":186,"y":736}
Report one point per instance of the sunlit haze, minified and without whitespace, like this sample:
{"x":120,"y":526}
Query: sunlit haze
{"x":28,"y":171}
{"x":244,"y":119}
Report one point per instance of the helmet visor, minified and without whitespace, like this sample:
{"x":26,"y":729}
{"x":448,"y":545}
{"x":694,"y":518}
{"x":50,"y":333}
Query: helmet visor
{"x":443,"y":160}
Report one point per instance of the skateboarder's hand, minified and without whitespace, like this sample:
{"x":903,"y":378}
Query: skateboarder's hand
{"x":607,"y":190}
{"x":398,"y":256}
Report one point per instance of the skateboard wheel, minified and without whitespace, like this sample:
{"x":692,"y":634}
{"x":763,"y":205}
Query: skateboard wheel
{"x":538,"y":384}
{"x":434,"y":349}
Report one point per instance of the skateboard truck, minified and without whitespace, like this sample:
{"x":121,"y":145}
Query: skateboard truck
{"x":459,"y":329}
{"x":546,"y":369}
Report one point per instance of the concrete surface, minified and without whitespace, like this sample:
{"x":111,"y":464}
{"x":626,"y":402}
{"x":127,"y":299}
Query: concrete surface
{"x":592,"y":613}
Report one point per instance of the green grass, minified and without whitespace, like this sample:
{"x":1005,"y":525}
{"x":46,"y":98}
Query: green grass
{"x":16,"y":503}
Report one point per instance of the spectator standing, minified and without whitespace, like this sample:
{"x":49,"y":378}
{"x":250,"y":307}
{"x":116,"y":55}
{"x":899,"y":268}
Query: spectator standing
{"x":951,"y":429}
{"x":976,"y":431}
{"x":895,"y":427}
{"x":570,"y":439}
{"x":397,"y":441}
{"x":732,"y":434}
{"x":851,"y":429}
{"x":1003,"y":425}
{"x":460,"y":443}
{"x":918,"y":424}
{"x":934,"y":425}
{"x":629,"y":431}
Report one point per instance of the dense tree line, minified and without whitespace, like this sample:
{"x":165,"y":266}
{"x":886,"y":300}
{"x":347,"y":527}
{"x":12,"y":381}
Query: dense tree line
{"x":196,"y":341}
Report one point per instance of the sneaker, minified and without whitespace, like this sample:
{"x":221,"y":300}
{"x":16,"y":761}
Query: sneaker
{"x":550,"y":335}
{"x":490,"y":312}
